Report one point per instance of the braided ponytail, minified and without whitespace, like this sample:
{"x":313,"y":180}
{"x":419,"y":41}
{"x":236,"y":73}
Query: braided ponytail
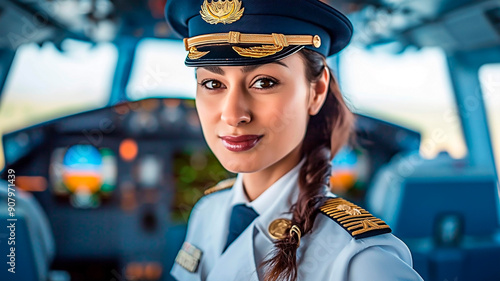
{"x":326,"y":133}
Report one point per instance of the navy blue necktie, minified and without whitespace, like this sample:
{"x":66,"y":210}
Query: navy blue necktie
{"x":241,"y":217}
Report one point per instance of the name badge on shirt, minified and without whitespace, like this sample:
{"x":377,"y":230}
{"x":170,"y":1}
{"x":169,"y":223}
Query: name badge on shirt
{"x":188,"y":257}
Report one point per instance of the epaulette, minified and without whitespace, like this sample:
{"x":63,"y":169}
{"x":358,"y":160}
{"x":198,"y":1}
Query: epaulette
{"x":354,"y":219}
{"x":222,"y":185}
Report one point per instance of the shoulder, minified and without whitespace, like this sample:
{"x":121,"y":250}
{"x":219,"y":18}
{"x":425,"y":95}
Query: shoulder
{"x":210,"y":207}
{"x":222,"y":185}
{"x":358,"y":222}
{"x":352,"y":240}
{"x":213,"y":195}
{"x":344,"y":227}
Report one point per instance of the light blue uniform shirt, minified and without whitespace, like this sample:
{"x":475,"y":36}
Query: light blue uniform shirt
{"x":328,"y":253}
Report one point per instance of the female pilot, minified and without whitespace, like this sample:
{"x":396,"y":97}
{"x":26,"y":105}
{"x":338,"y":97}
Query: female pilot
{"x":271,"y":111}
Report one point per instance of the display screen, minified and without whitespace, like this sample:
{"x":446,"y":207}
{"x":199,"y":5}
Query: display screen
{"x":350,"y":168}
{"x":83,"y":173}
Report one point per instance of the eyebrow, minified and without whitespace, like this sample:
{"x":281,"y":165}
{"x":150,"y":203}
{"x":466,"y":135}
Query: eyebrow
{"x":245,"y":69}
{"x":214,"y":69}
{"x":249,"y":68}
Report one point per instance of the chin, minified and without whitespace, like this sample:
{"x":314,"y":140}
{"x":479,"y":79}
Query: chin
{"x":243,"y":163}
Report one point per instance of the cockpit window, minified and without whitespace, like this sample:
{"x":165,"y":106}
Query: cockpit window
{"x":159,"y":71}
{"x":411,"y":89}
{"x":490,"y":85}
{"x":45,"y":83}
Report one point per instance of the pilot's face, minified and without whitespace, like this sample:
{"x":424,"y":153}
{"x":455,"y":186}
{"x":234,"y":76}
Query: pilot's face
{"x":254,"y":116}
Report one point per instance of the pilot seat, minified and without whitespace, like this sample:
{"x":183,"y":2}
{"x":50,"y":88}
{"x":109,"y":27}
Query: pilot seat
{"x":445,"y":211}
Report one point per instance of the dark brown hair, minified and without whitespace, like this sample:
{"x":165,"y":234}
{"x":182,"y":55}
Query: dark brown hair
{"x":326,"y":133}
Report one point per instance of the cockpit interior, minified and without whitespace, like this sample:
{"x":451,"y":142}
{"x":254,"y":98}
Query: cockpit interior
{"x":102,"y":190}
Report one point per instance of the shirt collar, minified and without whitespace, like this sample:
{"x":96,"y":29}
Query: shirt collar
{"x":282,"y":186}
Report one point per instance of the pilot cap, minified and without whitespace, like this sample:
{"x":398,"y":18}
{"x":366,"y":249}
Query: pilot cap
{"x":245,"y":32}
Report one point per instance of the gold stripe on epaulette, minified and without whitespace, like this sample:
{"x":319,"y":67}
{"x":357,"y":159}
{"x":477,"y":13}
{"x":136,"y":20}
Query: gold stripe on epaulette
{"x":356,"y":220}
{"x":225,"y":184}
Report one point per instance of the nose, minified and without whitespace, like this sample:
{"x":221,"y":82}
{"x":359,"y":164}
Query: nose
{"x":235,"y":109}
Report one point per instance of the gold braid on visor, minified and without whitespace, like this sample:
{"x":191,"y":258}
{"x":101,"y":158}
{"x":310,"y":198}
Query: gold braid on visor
{"x":272,"y":43}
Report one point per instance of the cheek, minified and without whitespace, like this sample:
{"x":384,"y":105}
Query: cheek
{"x":208,"y":118}
{"x":286,"y":119}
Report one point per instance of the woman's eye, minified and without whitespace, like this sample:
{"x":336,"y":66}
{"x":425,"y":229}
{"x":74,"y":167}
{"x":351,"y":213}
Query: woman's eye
{"x":212,"y":84}
{"x":264,"y":83}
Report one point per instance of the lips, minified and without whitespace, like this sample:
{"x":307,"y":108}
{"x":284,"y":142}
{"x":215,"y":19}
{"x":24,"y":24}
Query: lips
{"x":240,"y":143}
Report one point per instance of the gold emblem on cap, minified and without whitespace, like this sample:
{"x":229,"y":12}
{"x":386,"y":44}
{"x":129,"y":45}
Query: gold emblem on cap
{"x":280,"y":41}
{"x":258,"y":52}
{"x":195,"y":54}
{"x":316,"y":41}
{"x":224,"y":11}
{"x":278,"y":227}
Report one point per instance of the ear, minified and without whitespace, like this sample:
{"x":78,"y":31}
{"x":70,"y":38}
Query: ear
{"x":318,"y":93}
